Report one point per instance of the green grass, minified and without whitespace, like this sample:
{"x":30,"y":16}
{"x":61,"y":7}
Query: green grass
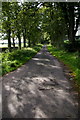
{"x":10,"y":61}
{"x":70,"y":59}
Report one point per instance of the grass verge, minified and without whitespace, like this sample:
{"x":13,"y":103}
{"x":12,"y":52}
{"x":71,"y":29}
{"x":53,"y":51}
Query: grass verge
{"x":10,"y":61}
{"x":70,"y":59}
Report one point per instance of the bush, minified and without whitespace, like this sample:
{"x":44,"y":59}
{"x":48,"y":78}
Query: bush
{"x":70,"y":48}
{"x":13,"y":60}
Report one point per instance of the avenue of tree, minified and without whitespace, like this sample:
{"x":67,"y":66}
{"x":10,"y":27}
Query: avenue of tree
{"x":40,"y":22}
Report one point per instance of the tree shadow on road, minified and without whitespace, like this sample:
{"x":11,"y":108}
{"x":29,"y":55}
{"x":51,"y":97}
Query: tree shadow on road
{"x":37,"y":90}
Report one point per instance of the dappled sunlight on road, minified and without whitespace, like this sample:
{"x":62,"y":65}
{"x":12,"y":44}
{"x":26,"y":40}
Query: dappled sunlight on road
{"x":39,"y":113}
{"x":38,"y":89}
{"x":37,"y":59}
{"x":12,"y":109}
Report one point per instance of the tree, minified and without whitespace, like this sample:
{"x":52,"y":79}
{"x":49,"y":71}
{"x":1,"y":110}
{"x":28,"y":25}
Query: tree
{"x":11,"y":22}
{"x":40,"y":21}
{"x":17,"y":22}
{"x":6,"y":22}
{"x":71,"y":12}
{"x":30,"y":22}
{"x":53,"y":22}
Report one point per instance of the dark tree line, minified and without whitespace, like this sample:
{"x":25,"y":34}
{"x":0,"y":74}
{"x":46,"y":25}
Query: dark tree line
{"x":71,"y":12}
{"x":37,"y":22}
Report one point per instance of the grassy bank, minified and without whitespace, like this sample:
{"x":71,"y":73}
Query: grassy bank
{"x":70,"y":59}
{"x":12,"y":60}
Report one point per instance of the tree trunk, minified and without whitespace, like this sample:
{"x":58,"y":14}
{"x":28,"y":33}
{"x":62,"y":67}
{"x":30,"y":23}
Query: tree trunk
{"x":71,"y":33}
{"x":9,"y":34}
{"x":24,"y":37}
{"x":13,"y":43}
{"x":33,"y":42}
{"x":9,"y":40}
{"x":69,"y":15}
{"x":29,"y":43}
{"x":24,"y":40}
{"x":19,"y":38}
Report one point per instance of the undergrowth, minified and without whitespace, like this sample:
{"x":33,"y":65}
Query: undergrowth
{"x":10,"y":61}
{"x":70,"y":59}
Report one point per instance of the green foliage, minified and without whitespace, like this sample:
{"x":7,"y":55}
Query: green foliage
{"x":53,"y":22}
{"x":70,"y":59}
{"x":71,"y":13}
{"x":37,"y":47}
{"x":13,"y":60}
{"x":39,"y":22}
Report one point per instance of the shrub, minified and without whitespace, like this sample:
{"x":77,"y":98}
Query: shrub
{"x":13,"y":60}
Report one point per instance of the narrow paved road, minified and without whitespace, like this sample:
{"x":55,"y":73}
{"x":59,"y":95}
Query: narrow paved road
{"x":38,"y":89}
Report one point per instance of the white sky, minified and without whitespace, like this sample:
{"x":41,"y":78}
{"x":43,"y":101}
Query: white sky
{"x":41,"y":0}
